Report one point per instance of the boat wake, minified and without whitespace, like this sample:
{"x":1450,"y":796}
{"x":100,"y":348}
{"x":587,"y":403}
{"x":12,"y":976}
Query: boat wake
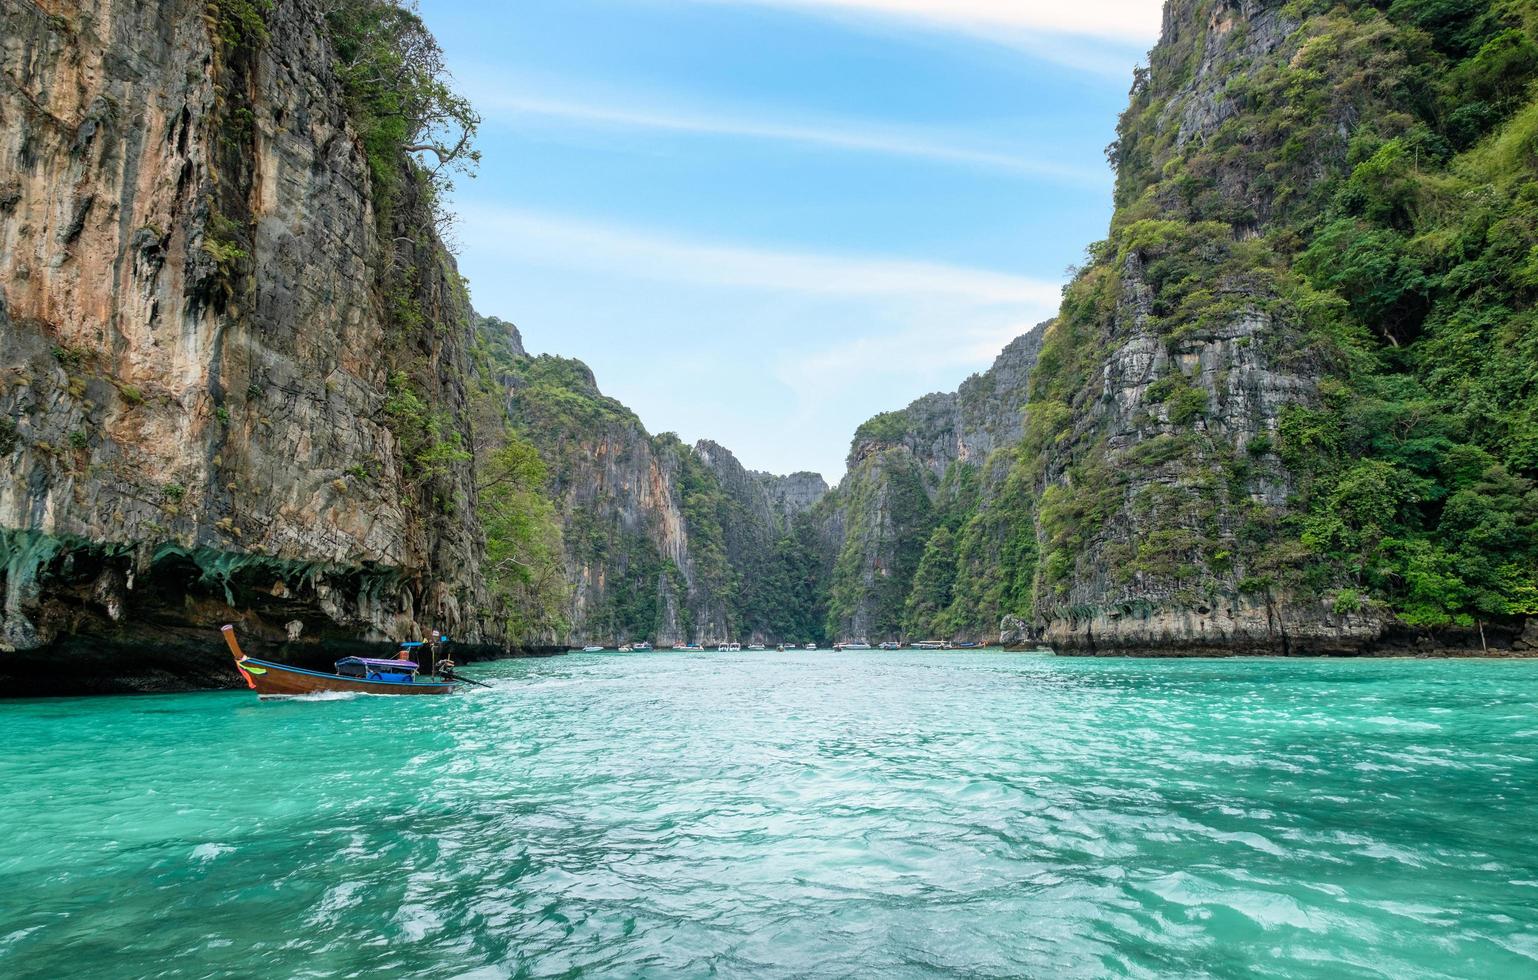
{"x":329,"y":696}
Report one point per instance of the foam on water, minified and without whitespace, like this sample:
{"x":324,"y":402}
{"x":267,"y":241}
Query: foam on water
{"x":329,"y":696}
{"x":778,"y":815}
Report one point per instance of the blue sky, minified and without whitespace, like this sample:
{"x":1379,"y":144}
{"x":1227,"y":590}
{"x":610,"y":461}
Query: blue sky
{"x":764,"y":221}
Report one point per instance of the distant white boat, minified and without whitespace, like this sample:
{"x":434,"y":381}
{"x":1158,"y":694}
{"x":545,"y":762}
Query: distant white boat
{"x":755,"y":646}
{"x":592,"y":649}
{"x":930,"y":645}
{"x":695,"y":647}
{"x":641,"y":647}
{"x":852,"y":645}
{"x":729,"y":648}
{"x":811,"y":647}
{"x":891,"y":645}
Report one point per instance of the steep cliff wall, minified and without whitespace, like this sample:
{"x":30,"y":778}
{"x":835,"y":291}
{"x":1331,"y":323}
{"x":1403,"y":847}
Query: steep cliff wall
{"x":200,"y":320}
{"x":1289,"y":404}
{"x":771,"y":501}
{"x":663,"y":542}
{"x":915,"y":474}
{"x":1244,"y":434}
{"x":1225,"y":429}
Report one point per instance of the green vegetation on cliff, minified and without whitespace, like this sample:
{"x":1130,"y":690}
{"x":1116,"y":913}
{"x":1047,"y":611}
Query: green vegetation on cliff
{"x":399,"y":92}
{"x":524,"y":574}
{"x":1396,"y":266}
{"x":889,"y":518}
{"x":524,"y":557}
{"x":787,"y":598}
{"x":1302,"y":367}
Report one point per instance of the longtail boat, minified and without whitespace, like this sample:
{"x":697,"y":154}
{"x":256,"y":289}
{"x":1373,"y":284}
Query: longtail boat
{"x":361,"y":675}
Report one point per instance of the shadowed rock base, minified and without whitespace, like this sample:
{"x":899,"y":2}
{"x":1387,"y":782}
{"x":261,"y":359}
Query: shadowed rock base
{"x":86,"y":618}
{"x":179,"y":660}
{"x":1263,"y":631}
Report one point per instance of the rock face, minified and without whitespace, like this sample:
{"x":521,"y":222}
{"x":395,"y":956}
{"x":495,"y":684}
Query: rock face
{"x":1528,"y":641}
{"x":771,"y":501}
{"x":1205,"y":103}
{"x":1160,"y":495}
{"x":195,"y":344}
{"x":1145,"y":574}
{"x":794,"y":494}
{"x":1228,"y":442}
{"x":664,"y":542}
{"x":911,"y":471}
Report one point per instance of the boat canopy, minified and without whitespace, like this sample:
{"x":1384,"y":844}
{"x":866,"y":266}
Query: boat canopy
{"x":392,"y":665}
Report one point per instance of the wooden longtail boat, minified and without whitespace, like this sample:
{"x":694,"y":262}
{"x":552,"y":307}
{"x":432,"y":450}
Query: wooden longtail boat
{"x":356,"y":674}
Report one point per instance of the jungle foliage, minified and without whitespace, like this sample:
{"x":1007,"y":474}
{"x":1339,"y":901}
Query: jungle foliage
{"x":524,"y":567}
{"x":400,"y":94}
{"x":1405,"y":254}
{"x":1369,"y":196}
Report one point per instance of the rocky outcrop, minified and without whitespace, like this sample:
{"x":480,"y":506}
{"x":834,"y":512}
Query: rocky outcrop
{"x":1527,"y":641}
{"x":627,"y":541}
{"x":627,"y":496}
{"x":771,"y":501}
{"x":664,"y":542}
{"x":1163,"y":420}
{"x":1240,"y":626}
{"x":1247,"y":628}
{"x":1233,"y":32}
{"x":196,"y":344}
{"x":885,"y":513}
{"x":965,"y":426}
{"x":908,"y":471}
{"x":793,"y":494}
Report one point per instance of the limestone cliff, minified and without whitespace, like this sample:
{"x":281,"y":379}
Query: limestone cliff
{"x":1244,"y":435}
{"x":772,"y":501}
{"x":1290,"y":404}
{"x":199,"y":332}
{"x":1161,"y":503}
{"x":912,"y":473}
{"x":663,"y":542}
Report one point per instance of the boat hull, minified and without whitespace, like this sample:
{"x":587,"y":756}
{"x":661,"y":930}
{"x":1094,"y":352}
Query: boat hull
{"x":280,"y":681}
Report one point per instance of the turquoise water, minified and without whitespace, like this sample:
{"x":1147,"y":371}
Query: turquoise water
{"x":777,"y":815}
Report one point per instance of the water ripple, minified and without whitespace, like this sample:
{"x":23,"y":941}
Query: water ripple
{"x":881,"y":815}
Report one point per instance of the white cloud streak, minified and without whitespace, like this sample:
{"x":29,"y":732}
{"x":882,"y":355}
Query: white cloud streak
{"x":899,"y":353}
{"x":892,"y":327}
{"x":920,"y":350}
{"x":1112,"y":20}
{"x":572,"y":243}
{"x":840,"y":135}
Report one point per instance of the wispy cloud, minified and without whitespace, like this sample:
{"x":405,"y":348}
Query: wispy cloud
{"x":901,"y":365}
{"x":1114,"y":20}
{"x":898,"y":353}
{"x":889,"y":328}
{"x":539,"y":238}
{"x":495,"y":102}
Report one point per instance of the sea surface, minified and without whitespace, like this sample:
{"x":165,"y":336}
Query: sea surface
{"x":956,"y":814}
